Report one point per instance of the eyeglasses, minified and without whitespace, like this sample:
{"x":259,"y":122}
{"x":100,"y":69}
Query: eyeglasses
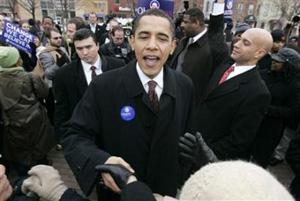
{"x":56,"y":38}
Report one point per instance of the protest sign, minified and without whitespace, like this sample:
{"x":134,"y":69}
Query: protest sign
{"x":14,"y":35}
{"x":228,"y":9}
{"x":165,"y":5}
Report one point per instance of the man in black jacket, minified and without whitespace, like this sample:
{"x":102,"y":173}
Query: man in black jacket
{"x":133,"y":115}
{"x":236,"y":100}
{"x":71,"y":81}
{"x":202,"y":49}
{"x":94,"y":27}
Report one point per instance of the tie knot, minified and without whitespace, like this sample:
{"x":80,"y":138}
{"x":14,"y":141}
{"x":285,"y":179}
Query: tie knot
{"x":93,"y":68}
{"x":191,"y":40}
{"x":231,"y":69}
{"x":152,"y":84}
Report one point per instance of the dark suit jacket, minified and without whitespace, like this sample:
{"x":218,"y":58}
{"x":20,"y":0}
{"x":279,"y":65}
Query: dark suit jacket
{"x":203,"y":55}
{"x":69,"y":86}
{"x":99,"y":31}
{"x":148,"y":142}
{"x":231,"y":113}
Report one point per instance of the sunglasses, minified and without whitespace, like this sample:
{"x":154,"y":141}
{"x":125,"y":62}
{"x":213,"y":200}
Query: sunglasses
{"x":56,"y":38}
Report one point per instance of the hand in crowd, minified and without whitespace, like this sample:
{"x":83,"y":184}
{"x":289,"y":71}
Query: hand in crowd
{"x":5,"y":187}
{"x":46,"y":182}
{"x":38,"y":70}
{"x":194,"y":149}
{"x":108,"y":179}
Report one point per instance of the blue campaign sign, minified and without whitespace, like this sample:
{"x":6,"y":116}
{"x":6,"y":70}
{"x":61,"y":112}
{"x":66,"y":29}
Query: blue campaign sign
{"x":16,"y":36}
{"x":228,"y":9}
{"x":165,"y":5}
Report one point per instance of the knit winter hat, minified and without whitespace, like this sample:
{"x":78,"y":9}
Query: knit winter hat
{"x":8,"y":56}
{"x":233,"y":180}
{"x":287,"y":55}
{"x":241,"y":28}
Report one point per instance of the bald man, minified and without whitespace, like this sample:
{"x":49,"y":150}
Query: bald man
{"x":236,"y":100}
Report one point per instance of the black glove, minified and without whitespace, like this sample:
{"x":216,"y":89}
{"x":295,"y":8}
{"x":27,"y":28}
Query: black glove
{"x":119,"y":173}
{"x":194,"y":149}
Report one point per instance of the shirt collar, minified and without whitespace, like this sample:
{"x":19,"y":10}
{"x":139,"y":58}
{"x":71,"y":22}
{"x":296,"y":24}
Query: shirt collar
{"x":199,"y":35}
{"x":145,"y":79}
{"x":87,"y":66}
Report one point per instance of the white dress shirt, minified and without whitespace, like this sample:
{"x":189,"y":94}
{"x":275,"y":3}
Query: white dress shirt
{"x":159,"y":79}
{"x":87,"y":69}
{"x":93,"y":27}
{"x":239,"y":70}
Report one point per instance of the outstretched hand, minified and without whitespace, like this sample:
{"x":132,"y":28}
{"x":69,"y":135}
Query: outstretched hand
{"x":194,"y":149}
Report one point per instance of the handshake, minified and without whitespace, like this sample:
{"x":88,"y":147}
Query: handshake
{"x":193,"y":149}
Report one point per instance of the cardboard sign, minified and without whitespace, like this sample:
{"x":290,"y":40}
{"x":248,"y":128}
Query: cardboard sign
{"x":14,"y":35}
{"x":165,"y":5}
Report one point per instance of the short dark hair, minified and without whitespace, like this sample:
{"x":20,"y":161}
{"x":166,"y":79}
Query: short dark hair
{"x":116,"y":28}
{"x":78,"y":21}
{"x":195,"y":14}
{"x":84,"y":33}
{"x":154,"y":12}
{"x":48,"y":17}
{"x":92,"y":13}
{"x":48,"y":32}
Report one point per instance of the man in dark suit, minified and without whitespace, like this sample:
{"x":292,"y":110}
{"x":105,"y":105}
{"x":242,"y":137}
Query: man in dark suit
{"x":202,"y":49}
{"x":236,"y":101}
{"x":95,"y":27}
{"x":134,"y":115}
{"x":71,"y":81}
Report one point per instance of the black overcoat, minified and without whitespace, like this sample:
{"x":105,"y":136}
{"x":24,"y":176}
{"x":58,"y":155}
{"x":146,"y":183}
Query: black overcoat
{"x":69,"y":86}
{"x":231,"y":113}
{"x":148,"y":141}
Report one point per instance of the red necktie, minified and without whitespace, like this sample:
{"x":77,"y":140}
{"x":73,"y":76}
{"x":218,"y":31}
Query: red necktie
{"x":153,"y":96}
{"x":93,"y":69}
{"x":226,"y":74}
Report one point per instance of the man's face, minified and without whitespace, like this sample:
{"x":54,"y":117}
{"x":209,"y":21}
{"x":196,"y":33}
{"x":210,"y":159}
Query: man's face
{"x":47,"y":24}
{"x":245,"y":50}
{"x":1,"y":22}
{"x":55,"y":39}
{"x":118,"y":38}
{"x":26,"y":26}
{"x":277,"y":45}
{"x":189,"y":27}
{"x":71,"y":29}
{"x":276,"y":66}
{"x":87,"y":50}
{"x":153,"y":43}
{"x":93,"y":18}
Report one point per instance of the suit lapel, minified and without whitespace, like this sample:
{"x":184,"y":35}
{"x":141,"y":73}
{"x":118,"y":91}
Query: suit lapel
{"x":80,"y":79}
{"x":215,"y":78}
{"x":104,"y":64}
{"x":230,"y":85}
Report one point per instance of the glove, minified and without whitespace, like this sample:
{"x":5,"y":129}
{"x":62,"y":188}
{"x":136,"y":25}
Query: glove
{"x":119,"y":173}
{"x":194,"y":149}
{"x":46,"y":182}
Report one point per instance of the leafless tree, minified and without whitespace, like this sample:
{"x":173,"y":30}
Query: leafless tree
{"x":30,"y":6}
{"x":12,"y":6}
{"x":288,"y":8}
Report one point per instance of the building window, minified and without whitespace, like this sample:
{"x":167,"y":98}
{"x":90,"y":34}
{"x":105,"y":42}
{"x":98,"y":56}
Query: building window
{"x":44,"y":12}
{"x":240,"y":7}
{"x":251,"y":9}
{"x":117,"y":1}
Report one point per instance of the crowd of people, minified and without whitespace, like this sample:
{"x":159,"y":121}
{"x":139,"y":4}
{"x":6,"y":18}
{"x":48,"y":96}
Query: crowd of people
{"x":139,"y":117}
